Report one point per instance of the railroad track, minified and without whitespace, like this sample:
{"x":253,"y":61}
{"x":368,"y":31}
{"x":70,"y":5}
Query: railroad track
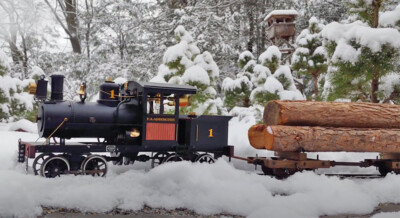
{"x":356,"y":176}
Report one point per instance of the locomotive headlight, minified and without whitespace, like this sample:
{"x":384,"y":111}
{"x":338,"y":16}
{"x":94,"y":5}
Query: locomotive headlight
{"x":134,"y":133}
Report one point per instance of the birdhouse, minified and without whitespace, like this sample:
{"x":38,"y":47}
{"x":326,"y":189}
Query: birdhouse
{"x":281,"y":24}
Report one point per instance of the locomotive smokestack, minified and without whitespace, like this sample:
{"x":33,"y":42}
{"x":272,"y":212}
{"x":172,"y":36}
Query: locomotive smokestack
{"x":57,"y":87}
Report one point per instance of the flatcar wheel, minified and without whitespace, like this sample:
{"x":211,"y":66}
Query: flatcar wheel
{"x":38,"y":162}
{"x":173,"y":158}
{"x":283,"y":173}
{"x":267,"y":171}
{"x":54,"y":166}
{"x":158,"y":158}
{"x":383,"y":170}
{"x":205,"y":158}
{"x":95,"y":163}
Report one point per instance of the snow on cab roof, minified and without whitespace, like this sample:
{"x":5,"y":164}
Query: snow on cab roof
{"x":166,"y":86}
{"x":281,"y":12}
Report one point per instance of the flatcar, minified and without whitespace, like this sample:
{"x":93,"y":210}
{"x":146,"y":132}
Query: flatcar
{"x":129,"y":121}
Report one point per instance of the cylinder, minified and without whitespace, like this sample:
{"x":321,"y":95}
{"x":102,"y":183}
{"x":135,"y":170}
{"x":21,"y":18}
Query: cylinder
{"x":57,"y":87}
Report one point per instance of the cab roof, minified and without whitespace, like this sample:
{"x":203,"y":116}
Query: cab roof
{"x":162,"y":87}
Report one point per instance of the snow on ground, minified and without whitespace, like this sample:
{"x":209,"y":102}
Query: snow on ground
{"x":207,"y":189}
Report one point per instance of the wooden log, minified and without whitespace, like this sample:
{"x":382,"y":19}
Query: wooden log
{"x":324,"y":139}
{"x":333,"y":114}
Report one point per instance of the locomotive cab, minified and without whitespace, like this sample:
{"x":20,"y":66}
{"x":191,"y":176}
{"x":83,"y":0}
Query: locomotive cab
{"x":160,"y":104}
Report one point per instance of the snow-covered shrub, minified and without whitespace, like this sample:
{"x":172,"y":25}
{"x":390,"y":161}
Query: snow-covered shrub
{"x":271,"y":58}
{"x":360,"y":57}
{"x":15,"y":102}
{"x":183,"y":63}
{"x":260,"y":83}
{"x":310,"y":57}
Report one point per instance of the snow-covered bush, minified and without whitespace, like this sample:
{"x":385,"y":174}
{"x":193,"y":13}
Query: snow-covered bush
{"x":360,"y":57}
{"x":361,"y":54}
{"x":183,"y":63}
{"x":310,"y":57}
{"x":15,"y":103}
{"x":258,"y":83}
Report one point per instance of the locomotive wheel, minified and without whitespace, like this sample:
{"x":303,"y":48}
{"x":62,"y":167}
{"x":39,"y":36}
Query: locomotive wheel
{"x":159,"y":158}
{"x":95,"y":162}
{"x":205,"y":158}
{"x":173,"y":158}
{"x":38,"y":162}
{"x":54,"y":166}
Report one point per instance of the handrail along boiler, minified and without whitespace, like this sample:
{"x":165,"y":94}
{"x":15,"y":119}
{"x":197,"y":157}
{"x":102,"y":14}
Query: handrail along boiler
{"x":127,"y":119}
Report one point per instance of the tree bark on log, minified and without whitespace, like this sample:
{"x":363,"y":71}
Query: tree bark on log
{"x":332,"y":114}
{"x":324,"y":139}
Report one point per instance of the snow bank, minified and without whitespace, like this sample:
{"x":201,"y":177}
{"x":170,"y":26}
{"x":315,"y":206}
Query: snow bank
{"x":281,"y":12}
{"x":23,"y":125}
{"x":206,"y":189}
{"x":387,"y":215}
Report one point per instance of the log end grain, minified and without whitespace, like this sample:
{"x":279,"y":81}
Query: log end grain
{"x":261,"y":137}
{"x":272,"y":113}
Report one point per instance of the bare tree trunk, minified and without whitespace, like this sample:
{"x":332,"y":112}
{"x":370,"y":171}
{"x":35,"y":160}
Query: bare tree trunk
{"x":375,"y":87}
{"x":250,"y":17}
{"x":377,"y":4}
{"x":89,"y":18}
{"x":315,"y":82}
{"x":72,"y":24}
{"x":69,"y":10}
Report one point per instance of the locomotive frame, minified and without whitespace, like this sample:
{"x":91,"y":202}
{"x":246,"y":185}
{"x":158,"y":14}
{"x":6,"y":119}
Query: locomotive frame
{"x":172,"y":137}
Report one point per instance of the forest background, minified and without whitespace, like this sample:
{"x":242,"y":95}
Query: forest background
{"x":220,"y":46}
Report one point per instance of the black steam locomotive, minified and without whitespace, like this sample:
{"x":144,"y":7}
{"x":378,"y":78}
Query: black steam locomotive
{"x":127,"y":119}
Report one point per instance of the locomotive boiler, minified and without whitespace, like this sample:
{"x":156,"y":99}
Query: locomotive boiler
{"x":127,"y":119}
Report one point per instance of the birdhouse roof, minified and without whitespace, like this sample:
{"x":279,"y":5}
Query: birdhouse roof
{"x":281,"y":13}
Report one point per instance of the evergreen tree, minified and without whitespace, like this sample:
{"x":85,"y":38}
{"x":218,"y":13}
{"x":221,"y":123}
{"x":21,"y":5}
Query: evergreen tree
{"x":258,"y":83}
{"x":310,"y":57}
{"x":237,"y":91}
{"x":184,"y":64}
{"x":15,"y":102}
{"x":361,"y":54}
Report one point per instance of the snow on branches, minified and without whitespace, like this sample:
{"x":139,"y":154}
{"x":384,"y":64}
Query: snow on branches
{"x":183,"y":63}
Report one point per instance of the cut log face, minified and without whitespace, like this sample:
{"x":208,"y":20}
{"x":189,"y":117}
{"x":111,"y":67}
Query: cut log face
{"x":324,"y":139}
{"x":332,"y":114}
